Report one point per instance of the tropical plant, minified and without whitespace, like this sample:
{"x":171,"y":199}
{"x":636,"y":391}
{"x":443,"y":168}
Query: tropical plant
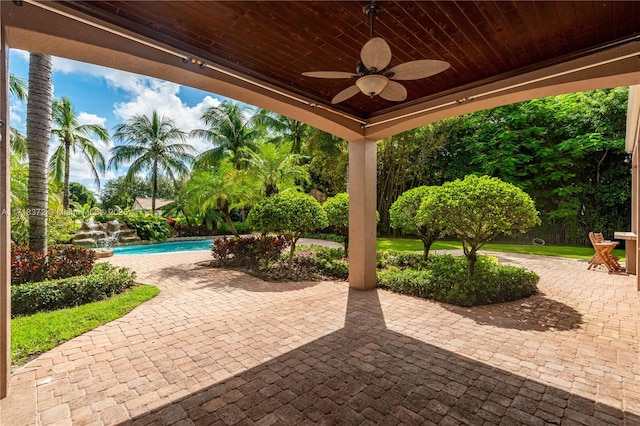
{"x":274,"y":167}
{"x":286,"y":129}
{"x":60,"y":226}
{"x":18,"y":87}
{"x":147,"y":226}
{"x":329,"y":160}
{"x":146,"y":145}
{"x":478,"y":209}
{"x":73,"y":136}
{"x":230,"y":130}
{"x":290,"y":213}
{"x":216,"y":191}
{"x":38,"y":136}
{"x":17,"y":141}
{"x":403,"y":216}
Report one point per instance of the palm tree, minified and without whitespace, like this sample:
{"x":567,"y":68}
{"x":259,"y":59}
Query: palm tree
{"x":18,"y":87}
{"x":146,"y":145}
{"x":231,"y":129}
{"x":17,"y":141}
{"x":273,"y":165}
{"x":38,"y":136}
{"x":72,"y":136}
{"x":221,"y":190}
{"x":286,"y":129}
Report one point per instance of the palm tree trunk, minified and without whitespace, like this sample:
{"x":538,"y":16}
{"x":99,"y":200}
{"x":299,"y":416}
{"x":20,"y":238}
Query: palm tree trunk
{"x":65,"y":188}
{"x":154,"y":189}
{"x":38,"y":137}
{"x":227,"y":219}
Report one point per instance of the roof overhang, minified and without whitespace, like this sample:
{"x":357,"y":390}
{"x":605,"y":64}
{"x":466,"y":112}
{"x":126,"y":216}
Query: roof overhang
{"x":60,"y":29}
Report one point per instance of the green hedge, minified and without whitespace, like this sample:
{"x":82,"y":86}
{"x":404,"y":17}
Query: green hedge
{"x":103,"y":281}
{"x":446,"y":280}
{"x":241,"y":227}
{"x":325,"y":261}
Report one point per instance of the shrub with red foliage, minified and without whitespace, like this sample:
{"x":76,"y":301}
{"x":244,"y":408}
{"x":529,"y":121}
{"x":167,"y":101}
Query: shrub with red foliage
{"x":249,"y":252}
{"x":62,"y":261}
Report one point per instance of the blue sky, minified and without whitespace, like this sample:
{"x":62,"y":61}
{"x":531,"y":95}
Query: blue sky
{"x":109,"y":97}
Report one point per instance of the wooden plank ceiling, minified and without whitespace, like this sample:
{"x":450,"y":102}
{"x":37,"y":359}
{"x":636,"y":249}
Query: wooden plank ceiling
{"x":277,"y":41}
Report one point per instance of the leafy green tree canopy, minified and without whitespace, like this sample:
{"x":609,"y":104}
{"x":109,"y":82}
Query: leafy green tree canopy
{"x":337,"y":210}
{"x":403,"y":216}
{"x":274,"y":167}
{"x":147,"y":145}
{"x":73,"y":136}
{"x":478,"y":209}
{"x":80,"y":194}
{"x":216,"y":191}
{"x":289,"y":213}
{"x":121,"y":192}
{"x":231,"y":128}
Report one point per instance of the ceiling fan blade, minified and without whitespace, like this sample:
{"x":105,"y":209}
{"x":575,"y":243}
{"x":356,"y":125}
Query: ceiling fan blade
{"x":394,"y":92}
{"x":376,"y":53}
{"x":329,"y":74}
{"x":345,"y":94}
{"x":418,"y":69}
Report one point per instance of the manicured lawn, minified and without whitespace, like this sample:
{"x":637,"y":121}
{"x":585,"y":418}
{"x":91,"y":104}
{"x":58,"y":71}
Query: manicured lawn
{"x":406,"y":244}
{"x":34,"y":334}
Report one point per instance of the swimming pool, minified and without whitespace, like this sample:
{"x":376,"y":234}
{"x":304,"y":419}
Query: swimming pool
{"x":164,"y":247}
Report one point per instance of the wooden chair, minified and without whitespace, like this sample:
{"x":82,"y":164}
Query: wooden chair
{"x":603,"y":254}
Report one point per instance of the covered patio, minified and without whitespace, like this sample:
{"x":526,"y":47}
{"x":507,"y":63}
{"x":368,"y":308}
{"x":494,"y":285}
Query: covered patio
{"x":219,"y":347}
{"x":256,"y":52}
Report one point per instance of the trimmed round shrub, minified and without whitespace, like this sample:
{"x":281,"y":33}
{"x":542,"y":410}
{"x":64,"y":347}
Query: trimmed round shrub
{"x":447,"y":280}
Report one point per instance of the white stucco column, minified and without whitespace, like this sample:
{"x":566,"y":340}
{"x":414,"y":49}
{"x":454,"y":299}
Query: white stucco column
{"x":5,"y":222}
{"x":362,"y":214}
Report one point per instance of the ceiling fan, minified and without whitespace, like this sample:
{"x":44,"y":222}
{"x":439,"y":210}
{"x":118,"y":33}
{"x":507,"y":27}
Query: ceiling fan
{"x":373,"y":77}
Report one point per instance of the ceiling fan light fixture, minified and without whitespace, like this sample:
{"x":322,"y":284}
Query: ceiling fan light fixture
{"x":371,"y":85}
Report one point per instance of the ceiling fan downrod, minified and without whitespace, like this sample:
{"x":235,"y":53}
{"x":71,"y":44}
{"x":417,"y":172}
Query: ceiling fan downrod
{"x":371,"y":10}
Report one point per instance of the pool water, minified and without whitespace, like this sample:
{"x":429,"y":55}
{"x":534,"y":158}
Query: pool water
{"x":165,"y":247}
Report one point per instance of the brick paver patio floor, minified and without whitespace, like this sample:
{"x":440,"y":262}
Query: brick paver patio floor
{"x":220,"y":347}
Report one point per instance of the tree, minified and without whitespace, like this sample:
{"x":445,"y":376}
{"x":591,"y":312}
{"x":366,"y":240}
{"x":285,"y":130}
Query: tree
{"x":478,"y":209}
{"x":403,"y":163}
{"x":146,"y":145}
{"x":403,"y":216}
{"x":38,"y":136}
{"x":567,"y":152}
{"x":219,"y":190}
{"x":290,"y":213}
{"x":274,"y":166}
{"x":80,"y":194}
{"x":74,"y":136}
{"x":329,"y":161}
{"x":120,"y":192}
{"x":18,"y":87}
{"x":17,"y":141}
{"x":337,"y":210}
{"x":230,"y":130}
{"x":286,"y":129}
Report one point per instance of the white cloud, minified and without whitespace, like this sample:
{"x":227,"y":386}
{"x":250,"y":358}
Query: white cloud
{"x":87,"y":118}
{"x":141,"y":95}
{"x":16,"y":114}
{"x":162,"y":97}
{"x":145,"y":95}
